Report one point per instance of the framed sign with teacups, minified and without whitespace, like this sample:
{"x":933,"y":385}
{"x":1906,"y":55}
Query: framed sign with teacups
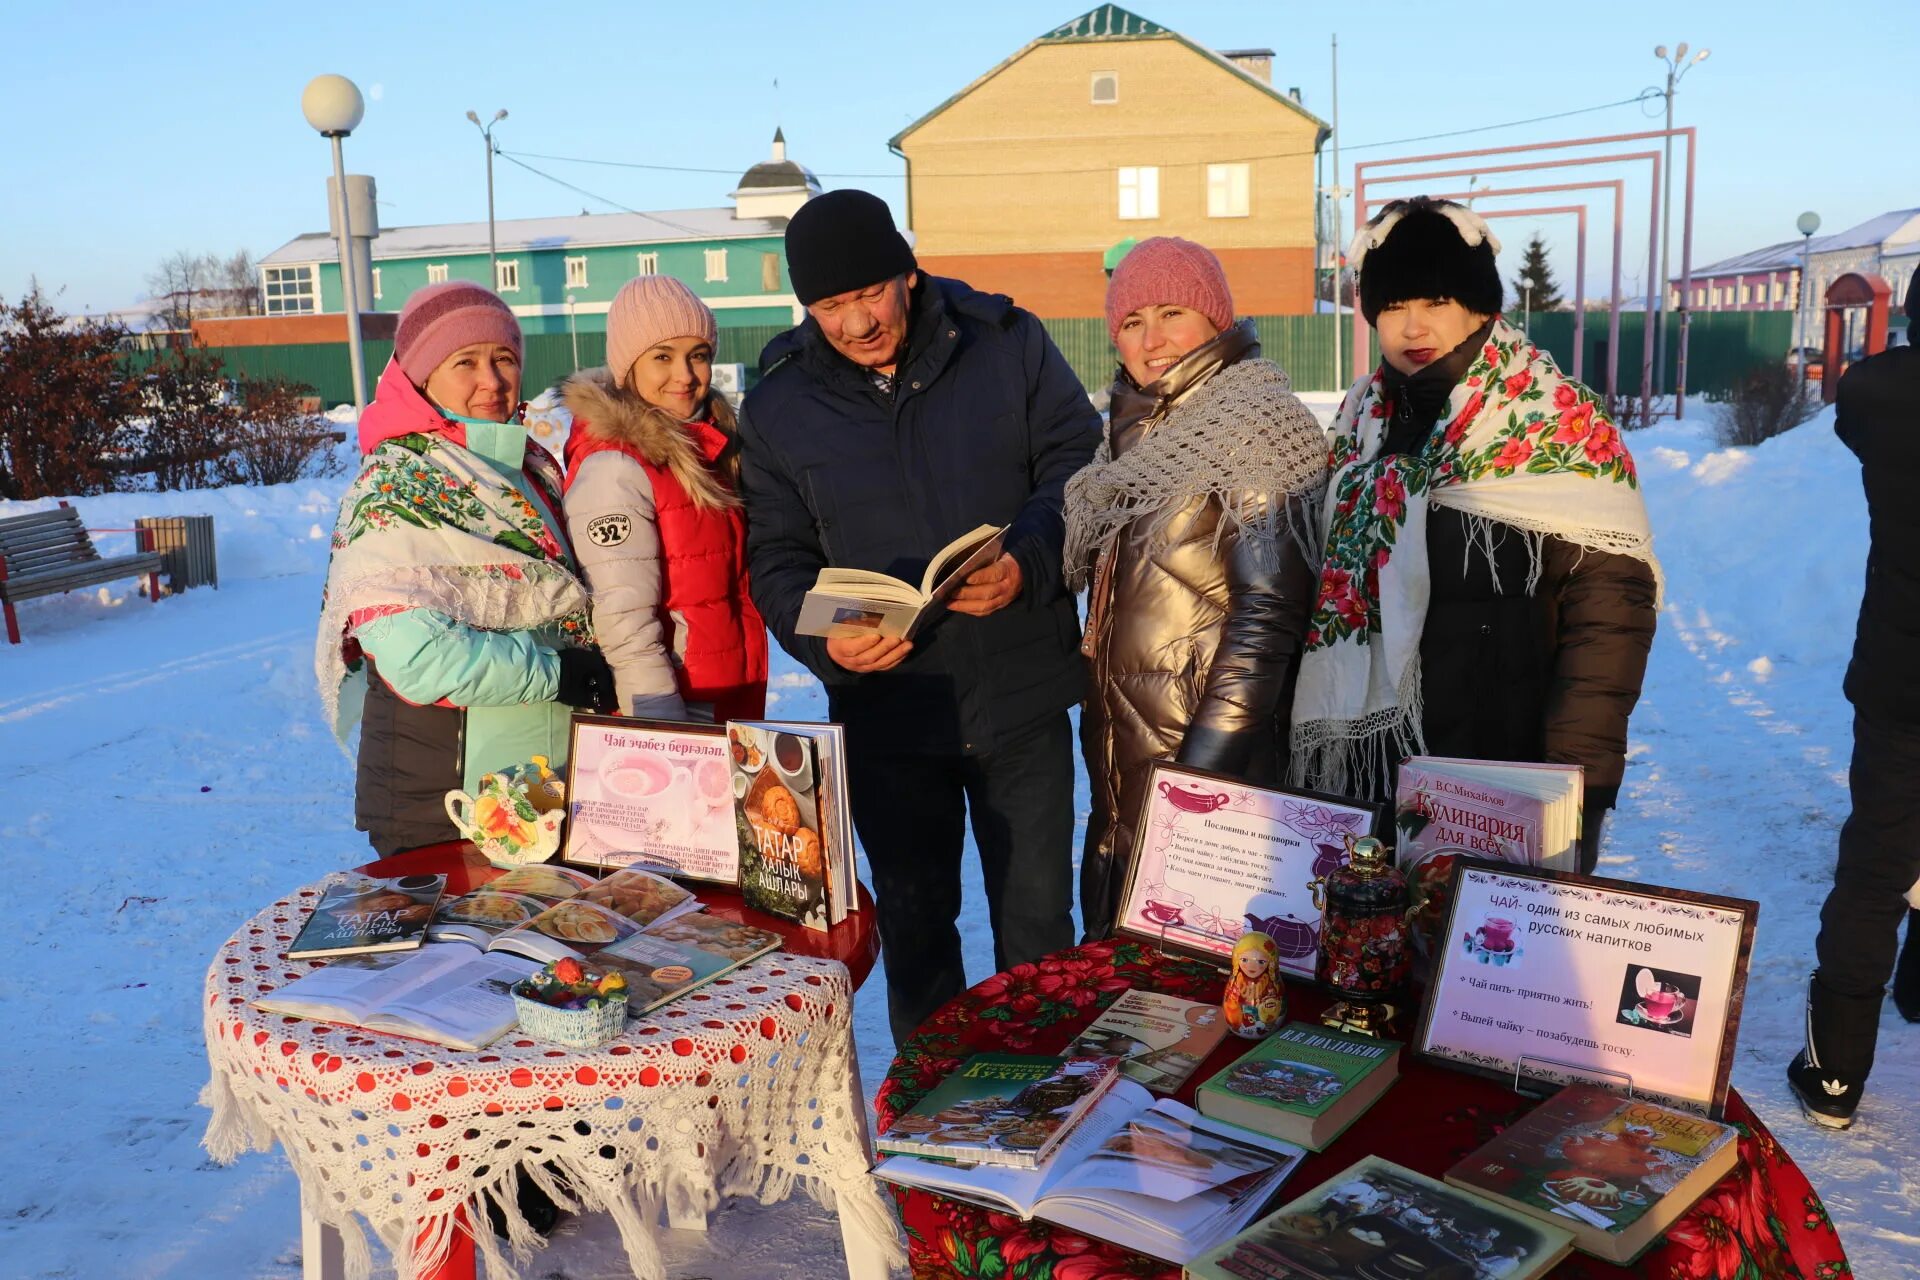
{"x":652,"y":793}
{"x":1215,"y":857}
{"x":1546,"y":978}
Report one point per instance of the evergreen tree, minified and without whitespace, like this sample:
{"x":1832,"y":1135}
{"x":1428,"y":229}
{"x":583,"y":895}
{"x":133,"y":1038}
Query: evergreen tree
{"x":1546,"y":290}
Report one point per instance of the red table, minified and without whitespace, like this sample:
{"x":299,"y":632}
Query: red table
{"x":1762,"y":1221}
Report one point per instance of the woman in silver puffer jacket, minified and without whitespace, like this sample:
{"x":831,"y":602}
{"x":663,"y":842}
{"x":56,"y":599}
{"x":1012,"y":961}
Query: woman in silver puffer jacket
{"x":1192,"y":529}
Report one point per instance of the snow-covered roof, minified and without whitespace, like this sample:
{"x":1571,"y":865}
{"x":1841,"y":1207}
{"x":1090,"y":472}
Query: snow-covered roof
{"x":519,"y":235}
{"x":1772,"y":258}
{"x":1874,"y":231}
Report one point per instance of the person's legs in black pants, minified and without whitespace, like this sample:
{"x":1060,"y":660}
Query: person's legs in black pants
{"x":1021,"y":802}
{"x":1859,"y":925}
{"x":909,"y":812}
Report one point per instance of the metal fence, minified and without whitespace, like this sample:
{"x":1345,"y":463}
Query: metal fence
{"x":1723,"y":348}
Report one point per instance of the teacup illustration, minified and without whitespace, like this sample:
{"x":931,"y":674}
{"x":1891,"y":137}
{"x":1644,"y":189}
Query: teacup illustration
{"x":1495,"y":934}
{"x":663,"y":791}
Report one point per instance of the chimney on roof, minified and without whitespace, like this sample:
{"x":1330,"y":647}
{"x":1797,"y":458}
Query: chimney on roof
{"x":1293,"y":91}
{"x":1257,"y":63}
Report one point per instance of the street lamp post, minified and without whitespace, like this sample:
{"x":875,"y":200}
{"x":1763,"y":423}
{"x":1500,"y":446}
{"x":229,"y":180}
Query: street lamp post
{"x":1526,"y":305}
{"x":1678,"y":64}
{"x":334,"y":107}
{"x":486,"y":135}
{"x":1807,"y":223}
{"x":573,"y":332}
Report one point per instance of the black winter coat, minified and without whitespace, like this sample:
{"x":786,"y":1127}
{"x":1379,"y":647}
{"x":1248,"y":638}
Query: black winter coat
{"x":1879,"y":419}
{"x":1506,"y":675}
{"x":986,"y":423}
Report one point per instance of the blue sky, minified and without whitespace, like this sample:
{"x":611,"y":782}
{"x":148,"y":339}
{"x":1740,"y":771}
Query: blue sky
{"x":139,"y":129}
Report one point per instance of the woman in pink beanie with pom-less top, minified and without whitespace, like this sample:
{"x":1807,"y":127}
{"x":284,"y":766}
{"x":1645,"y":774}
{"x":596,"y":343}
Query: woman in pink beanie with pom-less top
{"x":454,"y":628}
{"x":1191,"y":529}
{"x":650,"y":495}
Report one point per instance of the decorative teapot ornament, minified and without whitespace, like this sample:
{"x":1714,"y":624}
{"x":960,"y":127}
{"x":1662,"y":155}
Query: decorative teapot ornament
{"x":507,"y":824}
{"x":1254,"y":1001}
{"x":1364,"y":955}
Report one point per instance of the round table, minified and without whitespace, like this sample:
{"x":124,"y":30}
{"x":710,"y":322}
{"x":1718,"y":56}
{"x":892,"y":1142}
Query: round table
{"x":747,"y":1085}
{"x":1762,"y":1220}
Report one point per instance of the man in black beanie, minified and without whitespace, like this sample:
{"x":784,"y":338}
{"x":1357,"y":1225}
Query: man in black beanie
{"x":1878,"y":417}
{"x":904,"y":412}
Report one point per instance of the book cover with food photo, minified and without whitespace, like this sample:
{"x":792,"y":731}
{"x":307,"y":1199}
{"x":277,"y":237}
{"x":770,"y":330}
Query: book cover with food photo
{"x":1305,"y":1083}
{"x":1380,"y":1221}
{"x":504,"y":903}
{"x":666,"y":961}
{"x":613,"y":910}
{"x":1002,"y":1108}
{"x":366,"y":914}
{"x":1160,"y":1040}
{"x":1615,"y":1171}
{"x":783,"y":868}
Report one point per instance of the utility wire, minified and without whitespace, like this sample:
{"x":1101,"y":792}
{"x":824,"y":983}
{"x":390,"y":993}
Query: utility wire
{"x":1028,"y":173}
{"x":541,"y":173}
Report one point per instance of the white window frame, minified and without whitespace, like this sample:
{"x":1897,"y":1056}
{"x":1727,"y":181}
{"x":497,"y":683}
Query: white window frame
{"x":436,"y":273}
{"x":716,"y":266}
{"x":376,"y":284}
{"x":577,"y":272}
{"x":1093,"y":88}
{"x":1230,"y":190}
{"x":648,"y":264}
{"x":290,"y":291}
{"x":506,"y":276}
{"x":1746,"y":293}
{"x":1138,"y":188}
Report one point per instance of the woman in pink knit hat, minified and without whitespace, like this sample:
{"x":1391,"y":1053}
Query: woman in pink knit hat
{"x":455,"y":627}
{"x":1192,"y":529}
{"x":651,"y":467}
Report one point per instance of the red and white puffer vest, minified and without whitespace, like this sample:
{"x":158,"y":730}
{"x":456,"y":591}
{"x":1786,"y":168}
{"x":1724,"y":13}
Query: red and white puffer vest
{"x":706,"y":614}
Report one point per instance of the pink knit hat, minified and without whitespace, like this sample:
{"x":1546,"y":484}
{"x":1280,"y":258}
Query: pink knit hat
{"x":650,"y":309}
{"x":442,"y":318}
{"x":1168,"y":271}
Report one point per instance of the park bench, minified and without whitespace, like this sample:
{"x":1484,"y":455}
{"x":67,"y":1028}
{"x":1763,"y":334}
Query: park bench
{"x":49,"y":552}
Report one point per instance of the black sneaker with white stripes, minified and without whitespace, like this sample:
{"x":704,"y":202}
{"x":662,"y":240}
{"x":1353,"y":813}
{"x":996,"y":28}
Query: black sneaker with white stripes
{"x":1828,"y":1097}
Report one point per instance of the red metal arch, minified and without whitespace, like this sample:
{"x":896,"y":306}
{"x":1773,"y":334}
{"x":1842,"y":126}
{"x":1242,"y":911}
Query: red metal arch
{"x":1852,"y":290}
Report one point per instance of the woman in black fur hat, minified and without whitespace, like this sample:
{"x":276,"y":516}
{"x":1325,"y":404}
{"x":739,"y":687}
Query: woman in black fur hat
{"x":1489,"y":582}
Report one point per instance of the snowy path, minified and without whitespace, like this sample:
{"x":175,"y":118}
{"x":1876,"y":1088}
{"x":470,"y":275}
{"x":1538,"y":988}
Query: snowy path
{"x":165,"y":773}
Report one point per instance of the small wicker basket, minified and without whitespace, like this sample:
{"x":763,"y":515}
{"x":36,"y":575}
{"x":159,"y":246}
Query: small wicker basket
{"x":581,"y":1028}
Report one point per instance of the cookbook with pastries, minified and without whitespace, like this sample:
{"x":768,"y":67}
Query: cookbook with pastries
{"x":1617,"y":1172}
{"x":1002,"y":1108}
{"x":780,"y":807}
{"x":366,"y":914}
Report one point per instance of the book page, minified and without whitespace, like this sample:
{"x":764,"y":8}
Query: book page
{"x":1171,"y":1153}
{"x":470,"y":1002}
{"x":1021,"y":1189}
{"x":355,"y":987}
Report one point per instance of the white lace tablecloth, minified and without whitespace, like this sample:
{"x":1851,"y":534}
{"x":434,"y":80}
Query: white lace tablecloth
{"x":747,"y":1086}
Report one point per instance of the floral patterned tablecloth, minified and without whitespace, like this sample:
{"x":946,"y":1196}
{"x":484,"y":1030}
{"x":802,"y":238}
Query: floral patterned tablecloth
{"x":1763,"y":1222}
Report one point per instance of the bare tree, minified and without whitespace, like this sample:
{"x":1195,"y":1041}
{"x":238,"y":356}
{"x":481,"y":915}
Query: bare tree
{"x":178,"y":283}
{"x":238,"y":285}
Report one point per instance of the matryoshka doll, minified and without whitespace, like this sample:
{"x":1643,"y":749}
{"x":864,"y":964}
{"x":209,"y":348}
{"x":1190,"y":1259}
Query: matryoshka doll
{"x":1254,"y":1001}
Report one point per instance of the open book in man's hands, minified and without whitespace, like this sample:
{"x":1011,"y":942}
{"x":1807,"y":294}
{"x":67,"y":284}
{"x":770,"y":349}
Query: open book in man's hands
{"x":860,"y":602}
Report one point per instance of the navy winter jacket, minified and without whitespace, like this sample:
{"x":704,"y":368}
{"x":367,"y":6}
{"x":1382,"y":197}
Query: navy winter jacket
{"x":986,"y":423}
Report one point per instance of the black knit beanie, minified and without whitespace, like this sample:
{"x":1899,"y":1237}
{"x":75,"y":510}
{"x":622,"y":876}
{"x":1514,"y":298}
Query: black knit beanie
{"x":843,"y":240}
{"x":1424,"y":256}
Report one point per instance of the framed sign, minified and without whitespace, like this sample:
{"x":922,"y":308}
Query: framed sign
{"x":1545,"y":978}
{"x":654,"y":793}
{"x":1215,"y":856}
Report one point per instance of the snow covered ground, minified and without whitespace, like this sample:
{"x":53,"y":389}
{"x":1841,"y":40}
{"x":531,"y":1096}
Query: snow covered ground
{"x":165,"y":772}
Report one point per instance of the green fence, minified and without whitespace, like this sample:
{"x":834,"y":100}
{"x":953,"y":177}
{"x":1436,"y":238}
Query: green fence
{"x":1302,"y":345}
{"x":1723,"y":347}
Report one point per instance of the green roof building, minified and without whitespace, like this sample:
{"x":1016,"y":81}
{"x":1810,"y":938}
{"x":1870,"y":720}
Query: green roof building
{"x":553,"y":271}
